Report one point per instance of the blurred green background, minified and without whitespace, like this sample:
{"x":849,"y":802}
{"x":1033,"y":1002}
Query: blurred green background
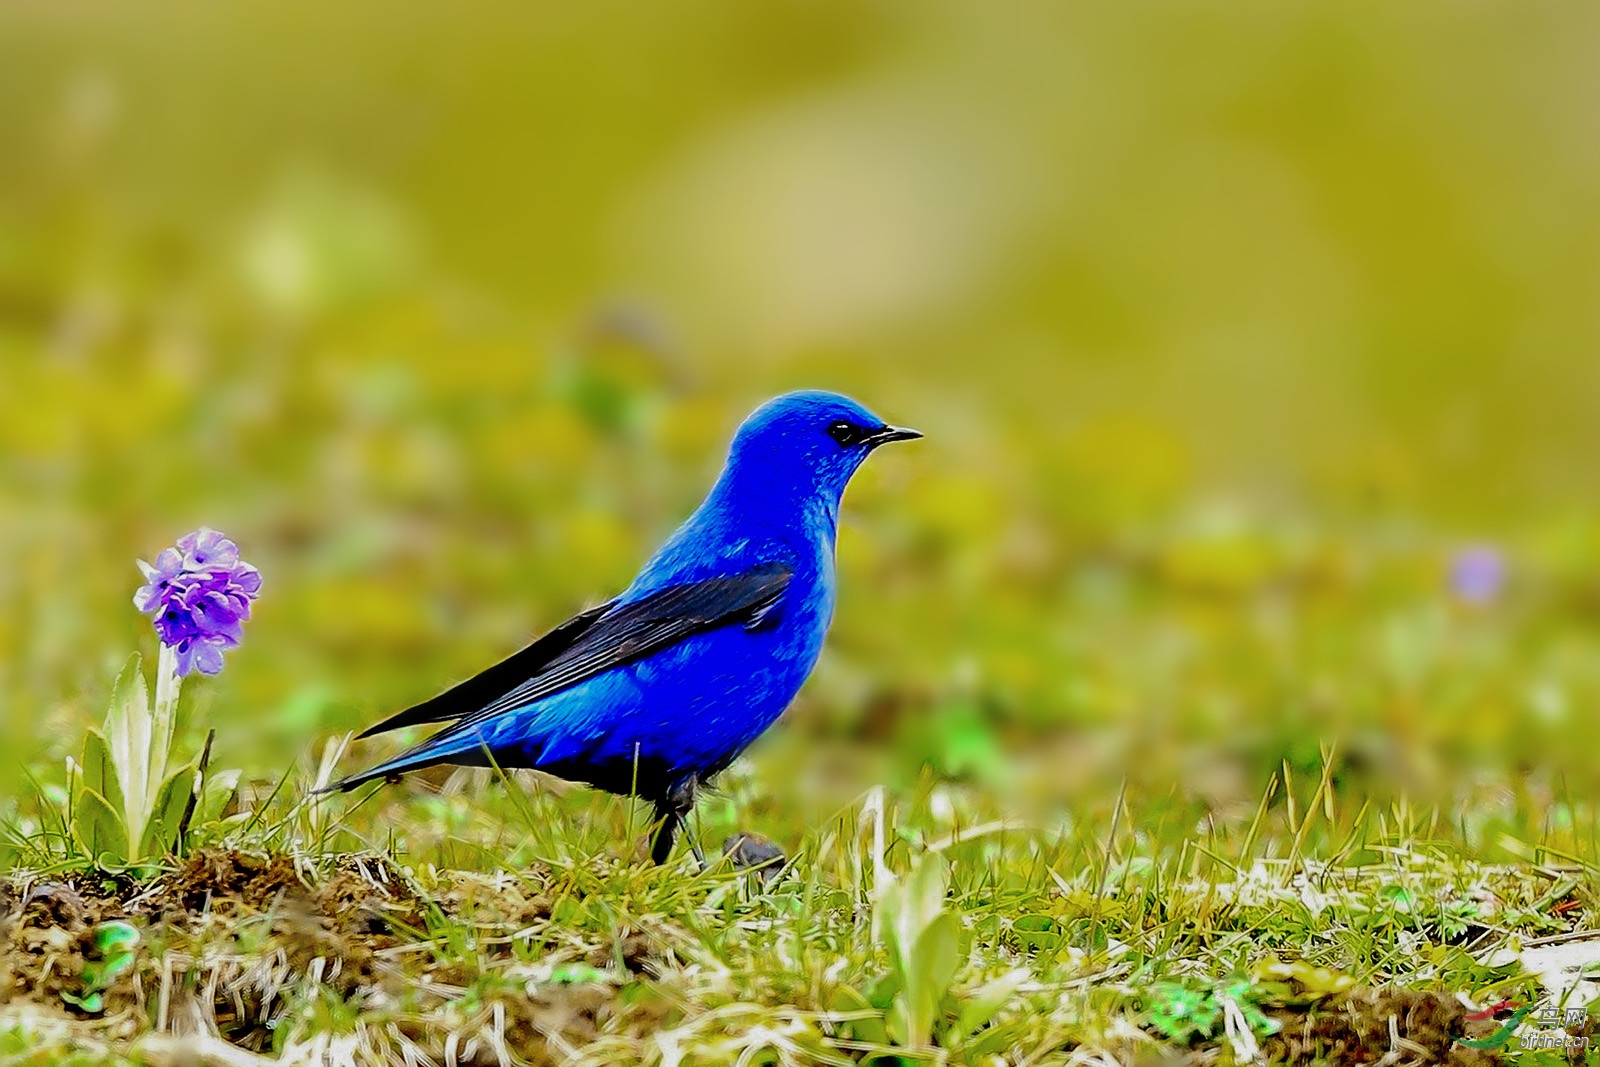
{"x":1230,"y":326}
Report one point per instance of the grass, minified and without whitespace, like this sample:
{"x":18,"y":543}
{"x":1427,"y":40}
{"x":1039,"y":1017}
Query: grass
{"x":1107,"y":761}
{"x":1149,"y":725}
{"x":918,"y":928}
{"x":1072,"y":810}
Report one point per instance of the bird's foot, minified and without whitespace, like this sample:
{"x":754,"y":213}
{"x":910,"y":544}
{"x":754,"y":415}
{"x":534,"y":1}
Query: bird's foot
{"x":673,"y":812}
{"x":694,"y":847}
{"x":752,"y":852}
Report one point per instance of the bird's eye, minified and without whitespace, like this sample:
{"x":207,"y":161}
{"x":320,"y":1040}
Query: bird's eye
{"x":845,"y":433}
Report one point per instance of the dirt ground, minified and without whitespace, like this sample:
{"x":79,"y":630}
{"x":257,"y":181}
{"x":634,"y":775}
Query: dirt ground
{"x":231,"y":938}
{"x":1357,"y":1030}
{"x":228,"y":941}
{"x":343,"y":920}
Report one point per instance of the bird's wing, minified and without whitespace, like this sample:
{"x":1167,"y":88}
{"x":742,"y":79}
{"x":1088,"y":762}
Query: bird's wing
{"x":601,"y":639}
{"x":632,"y":631}
{"x":482,"y":688}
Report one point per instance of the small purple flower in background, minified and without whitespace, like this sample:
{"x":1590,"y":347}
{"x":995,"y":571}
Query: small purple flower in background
{"x":1477,"y":574}
{"x":199,"y":594}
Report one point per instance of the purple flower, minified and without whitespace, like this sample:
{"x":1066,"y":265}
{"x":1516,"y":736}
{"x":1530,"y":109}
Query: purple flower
{"x":1477,"y":574}
{"x":199,"y":595}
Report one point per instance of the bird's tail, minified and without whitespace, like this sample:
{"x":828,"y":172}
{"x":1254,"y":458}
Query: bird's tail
{"x":465,"y":748}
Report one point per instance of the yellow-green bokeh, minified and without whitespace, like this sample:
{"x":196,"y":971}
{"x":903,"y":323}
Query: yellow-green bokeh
{"x":1228,"y":324}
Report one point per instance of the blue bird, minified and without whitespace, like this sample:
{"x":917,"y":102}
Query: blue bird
{"x":655,"y":692}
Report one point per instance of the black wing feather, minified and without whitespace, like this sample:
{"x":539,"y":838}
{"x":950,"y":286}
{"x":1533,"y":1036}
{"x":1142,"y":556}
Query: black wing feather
{"x":601,"y":639}
{"x":633,"y":631}
{"x":468,"y":696}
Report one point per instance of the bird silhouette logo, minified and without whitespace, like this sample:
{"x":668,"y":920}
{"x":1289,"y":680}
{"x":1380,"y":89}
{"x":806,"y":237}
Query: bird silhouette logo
{"x":1512,"y":1011}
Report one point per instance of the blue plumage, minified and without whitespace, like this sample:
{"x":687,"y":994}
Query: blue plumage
{"x":660,"y":689}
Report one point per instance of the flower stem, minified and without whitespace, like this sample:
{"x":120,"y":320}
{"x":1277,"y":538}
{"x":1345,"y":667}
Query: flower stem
{"x":164,"y":718}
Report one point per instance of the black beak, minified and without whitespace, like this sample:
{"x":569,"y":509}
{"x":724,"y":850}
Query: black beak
{"x":890,"y":433}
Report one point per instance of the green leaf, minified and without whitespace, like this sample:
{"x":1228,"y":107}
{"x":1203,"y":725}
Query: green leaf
{"x":219,"y":791}
{"x":99,"y":772}
{"x":914,"y":1013}
{"x":167,"y":812}
{"x":937,"y":956}
{"x":93,"y":1003}
{"x":642,"y":993}
{"x":987,"y":1043}
{"x":115,"y":945}
{"x":1180,"y":1012}
{"x":1399,"y":896}
{"x":915,"y":903}
{"x":115,"y":939}
{"x":899,"y":1025}
{"x":882,"y":992}
{"x":578,"y":974}
{"x":98,"y":827}
{"x":1307,"y":981}
{"x":128,"y":735}
{"x":923,"y":941}
{"x":1036,"y":932}
{"x":929,"y":970}
{"x":986,"y":1002}
{"x":868,"y":1028}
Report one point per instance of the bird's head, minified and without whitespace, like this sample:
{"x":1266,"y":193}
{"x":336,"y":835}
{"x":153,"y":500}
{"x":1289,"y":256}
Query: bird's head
{"x":809,"y":442}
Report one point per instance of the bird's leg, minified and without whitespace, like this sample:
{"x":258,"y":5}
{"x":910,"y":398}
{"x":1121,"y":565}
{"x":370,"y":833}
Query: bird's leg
{"x":673,"y":809}
{"x":694,"y":846}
